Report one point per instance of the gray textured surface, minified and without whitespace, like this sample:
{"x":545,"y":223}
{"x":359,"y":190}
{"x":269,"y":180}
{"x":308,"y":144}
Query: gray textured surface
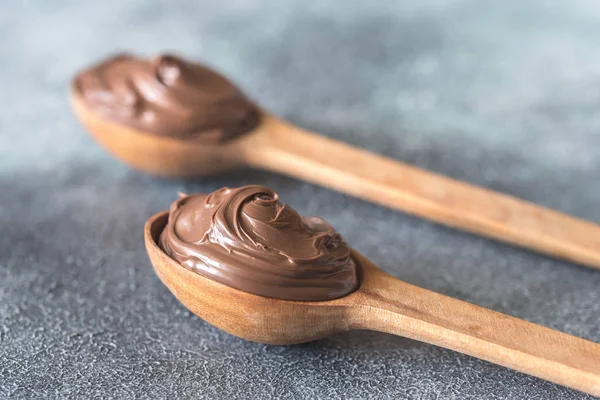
{"x":502,"y":94}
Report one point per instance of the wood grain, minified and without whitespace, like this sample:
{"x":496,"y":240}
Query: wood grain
{"x":389,"y":305}
{"x":383,"y":303}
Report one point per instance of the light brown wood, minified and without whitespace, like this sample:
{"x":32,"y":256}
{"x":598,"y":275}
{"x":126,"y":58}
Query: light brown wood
{"x":292,"y":151}
{"x":383,"y":303}
{"x":158,"y":155}
{"x":276,"y":145}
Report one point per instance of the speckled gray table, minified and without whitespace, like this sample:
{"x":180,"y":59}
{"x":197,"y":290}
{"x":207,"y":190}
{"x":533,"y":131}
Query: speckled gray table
{"x":502,"y":94}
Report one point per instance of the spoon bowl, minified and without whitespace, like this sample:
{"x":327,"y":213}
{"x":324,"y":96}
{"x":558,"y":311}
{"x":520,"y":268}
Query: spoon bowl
{"x":251,"y":317}
{"x":157,"y":155}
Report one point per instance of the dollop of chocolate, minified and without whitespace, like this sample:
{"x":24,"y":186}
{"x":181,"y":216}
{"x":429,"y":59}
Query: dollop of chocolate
{"x":247,"y":239}
{"x":166,"y":95}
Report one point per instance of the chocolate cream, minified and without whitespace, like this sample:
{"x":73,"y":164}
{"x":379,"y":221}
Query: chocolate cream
{"x":247,"y":239}
{"x":166,"y":95}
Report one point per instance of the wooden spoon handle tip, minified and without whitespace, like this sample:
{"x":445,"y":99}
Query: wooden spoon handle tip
{"x":388,"y":305}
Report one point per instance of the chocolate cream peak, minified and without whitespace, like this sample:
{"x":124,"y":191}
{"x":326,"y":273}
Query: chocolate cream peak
{"x":166,"y":95}
{"x":247,"y":239}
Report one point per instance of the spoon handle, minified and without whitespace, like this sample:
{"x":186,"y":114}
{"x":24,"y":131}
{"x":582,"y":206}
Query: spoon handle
{"x":386,"y":304}
{"x":284,"y":148}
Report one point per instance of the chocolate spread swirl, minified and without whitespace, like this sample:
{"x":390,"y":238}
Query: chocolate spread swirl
{"x":166,"y":95}
{"x":247,"y":239}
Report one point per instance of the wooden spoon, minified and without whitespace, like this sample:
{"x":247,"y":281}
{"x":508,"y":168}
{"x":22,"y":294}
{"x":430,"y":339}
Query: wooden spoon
{"x":386,"y":304}
{"x":278,"y":146}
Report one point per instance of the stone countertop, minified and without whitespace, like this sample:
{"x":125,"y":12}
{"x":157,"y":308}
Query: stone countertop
{"x":504,"y":95}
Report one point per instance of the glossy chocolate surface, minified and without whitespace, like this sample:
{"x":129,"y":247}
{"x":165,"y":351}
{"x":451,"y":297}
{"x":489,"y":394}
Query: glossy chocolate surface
{"x":247,"y":239}
{"x":166,"y":95}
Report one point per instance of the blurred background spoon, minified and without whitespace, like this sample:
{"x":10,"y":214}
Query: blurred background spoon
{"x":276,"y":145}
